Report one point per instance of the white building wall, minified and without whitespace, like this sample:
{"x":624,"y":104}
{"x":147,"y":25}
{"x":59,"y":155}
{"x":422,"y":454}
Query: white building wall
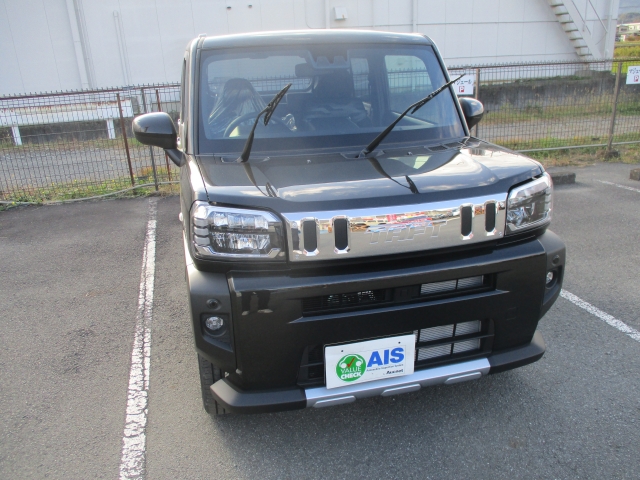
{"x":143,"y":41}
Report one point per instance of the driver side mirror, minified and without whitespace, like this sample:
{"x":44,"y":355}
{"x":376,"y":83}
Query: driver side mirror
{"x":157,"y":129}
{"x":472,"y":109}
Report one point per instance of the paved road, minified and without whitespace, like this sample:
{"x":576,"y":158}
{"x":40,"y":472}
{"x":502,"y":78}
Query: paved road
{"x":69,"y":298}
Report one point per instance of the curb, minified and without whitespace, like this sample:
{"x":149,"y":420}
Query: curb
{"x":563,"y":178}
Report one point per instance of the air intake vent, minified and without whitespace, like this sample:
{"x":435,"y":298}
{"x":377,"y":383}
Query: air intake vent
{"x":451,"y":285}
{"x":345,"y":300}
{"x":310,"y":235}
{"x":447,"y":340}
{"x":465,"y":220}
{"x":490,"y":217}
{"x":340,"y":233}
{"x":367,"y":299}
{"x":437,"y":148}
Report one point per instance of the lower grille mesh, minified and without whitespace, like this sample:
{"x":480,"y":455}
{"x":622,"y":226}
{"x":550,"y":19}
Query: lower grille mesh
{"x":343,"y":300}
{"x":434,"y":345}
{"x":446,"y":340}
{"x":371,"y":298}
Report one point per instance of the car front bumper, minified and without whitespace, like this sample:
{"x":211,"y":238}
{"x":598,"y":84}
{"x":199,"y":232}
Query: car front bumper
{"x":237,"y":401}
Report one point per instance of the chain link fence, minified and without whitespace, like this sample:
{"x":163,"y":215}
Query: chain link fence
{"x":79,"y":144}
{"x":534,"y":107}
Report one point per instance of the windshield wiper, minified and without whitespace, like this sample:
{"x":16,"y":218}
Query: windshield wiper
{"x":376,"y":164}
{"x":419,"y":104}
{"x":269,"y":109}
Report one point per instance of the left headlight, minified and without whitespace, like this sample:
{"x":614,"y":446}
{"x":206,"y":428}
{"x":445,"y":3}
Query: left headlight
{"x":530,"y":205}
{"x":236,"y":233}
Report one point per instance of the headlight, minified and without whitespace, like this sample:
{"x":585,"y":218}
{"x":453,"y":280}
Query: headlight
{"x":220,"y":232}
{"x":529,"y":205}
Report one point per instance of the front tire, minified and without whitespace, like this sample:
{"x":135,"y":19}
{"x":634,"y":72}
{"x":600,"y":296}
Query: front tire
{"x":209,"y":374}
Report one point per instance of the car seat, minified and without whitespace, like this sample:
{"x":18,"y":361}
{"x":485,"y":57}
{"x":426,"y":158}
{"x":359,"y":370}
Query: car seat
{"x":237,"y":98}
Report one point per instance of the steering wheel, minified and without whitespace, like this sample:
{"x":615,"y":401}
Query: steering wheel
{"x":243,"y":118}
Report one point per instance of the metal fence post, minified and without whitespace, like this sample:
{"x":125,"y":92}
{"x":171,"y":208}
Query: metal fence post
{"x":153,"y":160}
{"x":166,"y":157}
{"x":477,"y":96}
{"x":126,"y":143}
{"x":610,"y":152}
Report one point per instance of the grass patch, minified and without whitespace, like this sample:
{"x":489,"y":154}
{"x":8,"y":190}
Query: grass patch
{"x":511,"y":114}
{"x":75,"y":189}
{"x":626,"y":52}
{"x":578,"y":156}
{"x":552,"y":142}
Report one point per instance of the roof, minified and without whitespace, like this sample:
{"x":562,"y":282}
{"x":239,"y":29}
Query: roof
{"x":313,"y":37}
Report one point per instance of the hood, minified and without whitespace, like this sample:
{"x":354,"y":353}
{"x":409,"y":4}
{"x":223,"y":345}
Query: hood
{"x":414,"y":175}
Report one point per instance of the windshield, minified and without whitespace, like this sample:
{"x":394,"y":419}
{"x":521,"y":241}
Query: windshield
{"x":340,"y":97}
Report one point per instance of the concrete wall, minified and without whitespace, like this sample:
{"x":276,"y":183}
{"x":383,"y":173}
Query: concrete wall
{"x":49,"y":45}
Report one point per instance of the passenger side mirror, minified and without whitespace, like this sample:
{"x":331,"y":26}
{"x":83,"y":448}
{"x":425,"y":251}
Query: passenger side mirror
{"x":473,"y":111}
{"x":157,"y":129}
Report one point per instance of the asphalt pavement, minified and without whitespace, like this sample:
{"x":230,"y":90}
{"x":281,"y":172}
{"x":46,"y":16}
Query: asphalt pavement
{"x":69,"y":294}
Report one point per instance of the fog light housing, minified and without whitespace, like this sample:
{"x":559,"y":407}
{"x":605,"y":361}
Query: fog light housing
{"x":213,"y":324}
{"x":550,"y":276}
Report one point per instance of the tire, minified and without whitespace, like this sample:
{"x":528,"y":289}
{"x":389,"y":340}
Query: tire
{"x":209,"y":374}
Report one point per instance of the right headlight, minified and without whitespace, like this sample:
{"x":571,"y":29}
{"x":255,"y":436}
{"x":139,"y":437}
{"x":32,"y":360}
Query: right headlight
{"x":529,"y":205}
{"x":236,"y":233}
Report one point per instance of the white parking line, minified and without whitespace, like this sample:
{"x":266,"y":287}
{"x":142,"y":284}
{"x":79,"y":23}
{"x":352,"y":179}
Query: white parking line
{"x":134,"y":441}
{"x":620,"y":186}
{"x":614,"y":322}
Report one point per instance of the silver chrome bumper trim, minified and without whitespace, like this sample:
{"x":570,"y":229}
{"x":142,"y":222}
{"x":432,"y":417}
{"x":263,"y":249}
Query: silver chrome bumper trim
{"x":448,"y":374}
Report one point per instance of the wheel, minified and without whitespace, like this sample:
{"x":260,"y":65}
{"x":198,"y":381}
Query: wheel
{"x":209,"y":374}
{"x":243,"y":118}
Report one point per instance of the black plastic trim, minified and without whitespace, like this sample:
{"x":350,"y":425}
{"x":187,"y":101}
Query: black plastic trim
{"x":237,"y":401}
{"x":519,"y":356}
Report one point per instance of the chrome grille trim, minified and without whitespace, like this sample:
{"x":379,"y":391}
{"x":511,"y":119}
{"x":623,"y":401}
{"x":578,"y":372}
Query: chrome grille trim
{"x":394,"y":230}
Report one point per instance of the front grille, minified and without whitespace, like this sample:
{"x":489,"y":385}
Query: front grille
{"x":443,"y":342}
{"x":434,"y":345}
{"x":345,"y":300}
{"x":367,"y":299}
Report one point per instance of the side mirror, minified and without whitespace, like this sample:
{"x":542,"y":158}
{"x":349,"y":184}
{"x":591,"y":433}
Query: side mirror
{"x":472,"y":109}
{"x":157,"y":129}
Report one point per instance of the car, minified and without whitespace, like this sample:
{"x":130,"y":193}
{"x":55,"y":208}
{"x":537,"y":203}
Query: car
{"x":345,"y":236}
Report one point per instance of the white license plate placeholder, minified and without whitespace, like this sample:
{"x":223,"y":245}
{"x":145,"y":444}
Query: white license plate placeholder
{"x":370,"y":360}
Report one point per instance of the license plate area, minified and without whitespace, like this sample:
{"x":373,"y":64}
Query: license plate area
{"x":361,"y":362}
